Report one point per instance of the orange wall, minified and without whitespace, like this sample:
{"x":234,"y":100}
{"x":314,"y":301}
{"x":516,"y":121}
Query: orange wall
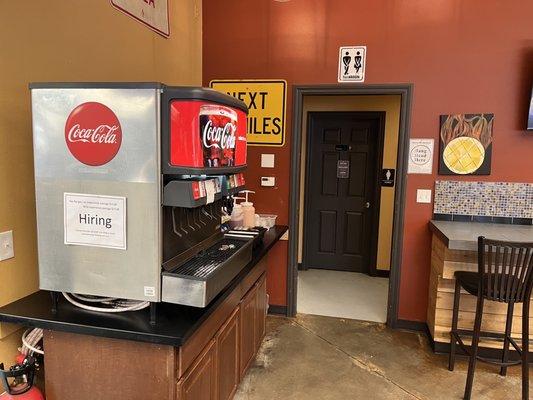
{"x":65,"y":40}
{"x":462,"y":56}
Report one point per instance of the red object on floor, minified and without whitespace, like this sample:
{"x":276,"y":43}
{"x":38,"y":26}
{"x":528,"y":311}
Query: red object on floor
{"x":17,"y":381}
{"x":19,"y":359}
{"x":32,"y":394}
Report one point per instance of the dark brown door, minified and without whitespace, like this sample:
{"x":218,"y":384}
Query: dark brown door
{"x":341,"y":190}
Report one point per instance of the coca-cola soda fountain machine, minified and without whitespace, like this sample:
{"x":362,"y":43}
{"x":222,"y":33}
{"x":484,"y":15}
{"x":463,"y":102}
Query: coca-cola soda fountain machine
{"x":130,"y":183}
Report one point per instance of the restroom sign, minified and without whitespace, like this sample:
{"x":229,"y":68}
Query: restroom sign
{"x":352,"y":64}
{"x":266,"y":100}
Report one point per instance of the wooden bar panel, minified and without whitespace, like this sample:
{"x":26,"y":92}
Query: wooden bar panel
{"x":444,"y":263}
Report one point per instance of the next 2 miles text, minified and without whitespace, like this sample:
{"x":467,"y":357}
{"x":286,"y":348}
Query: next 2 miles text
{"x":258,"y":125}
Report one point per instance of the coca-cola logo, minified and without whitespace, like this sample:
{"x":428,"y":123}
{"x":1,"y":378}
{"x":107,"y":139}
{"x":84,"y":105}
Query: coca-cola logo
{"x":218,"y":136}
{"x":93,"y":133}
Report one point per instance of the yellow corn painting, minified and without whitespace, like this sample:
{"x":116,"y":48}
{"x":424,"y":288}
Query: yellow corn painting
{"x":465,"y":144}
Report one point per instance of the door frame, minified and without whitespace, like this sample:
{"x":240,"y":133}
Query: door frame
{"x":405,"y":90}
{"x":380,"y":116}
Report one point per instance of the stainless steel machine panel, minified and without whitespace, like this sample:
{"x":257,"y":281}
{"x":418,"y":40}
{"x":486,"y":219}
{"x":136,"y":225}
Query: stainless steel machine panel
{"x":133,"y":173}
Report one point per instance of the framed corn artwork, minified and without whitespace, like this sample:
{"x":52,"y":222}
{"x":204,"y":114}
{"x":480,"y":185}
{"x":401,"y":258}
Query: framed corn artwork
{"x":465,"y":144}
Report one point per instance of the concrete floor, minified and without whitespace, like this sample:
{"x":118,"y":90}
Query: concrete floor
{"x":342,"y":294}
{"x":323,"y":358}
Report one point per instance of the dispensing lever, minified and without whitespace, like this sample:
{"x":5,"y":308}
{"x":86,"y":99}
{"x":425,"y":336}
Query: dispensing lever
{"x":206,"y":213}
{"x":174,"y":227}
{"x":187,"y":212}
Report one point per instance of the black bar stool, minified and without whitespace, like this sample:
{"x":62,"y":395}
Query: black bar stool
{"x":505,"y":274}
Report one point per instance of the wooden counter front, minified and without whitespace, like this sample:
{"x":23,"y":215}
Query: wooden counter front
{"x":208,"y":366}
{"x":444,"y":263}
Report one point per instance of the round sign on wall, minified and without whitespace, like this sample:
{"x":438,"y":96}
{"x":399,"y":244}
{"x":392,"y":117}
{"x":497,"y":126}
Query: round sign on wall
{"x":93,"y":133}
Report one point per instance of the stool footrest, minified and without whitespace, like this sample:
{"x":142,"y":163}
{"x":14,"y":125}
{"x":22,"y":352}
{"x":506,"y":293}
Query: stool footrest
{"x":456,"y":335}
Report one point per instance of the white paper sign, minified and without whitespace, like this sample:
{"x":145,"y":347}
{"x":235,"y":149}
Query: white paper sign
{"x":420,"y":156}
{"x":211,"y":190}
{"x":352,"y":61}
{"x":94,"y":220}
{"x":153,"y":13}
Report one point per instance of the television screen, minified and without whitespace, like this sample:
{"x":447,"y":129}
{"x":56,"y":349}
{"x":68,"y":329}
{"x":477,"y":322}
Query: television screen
{"x":530,"y":116}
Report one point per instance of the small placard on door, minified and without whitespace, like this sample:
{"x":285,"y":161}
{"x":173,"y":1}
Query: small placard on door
{"x":343,"y":169}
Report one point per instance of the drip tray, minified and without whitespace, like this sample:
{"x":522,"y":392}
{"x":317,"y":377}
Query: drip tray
{"x":196,"y":282}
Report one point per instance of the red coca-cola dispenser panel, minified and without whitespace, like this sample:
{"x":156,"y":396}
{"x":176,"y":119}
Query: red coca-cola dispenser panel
{"x":207,"y":135}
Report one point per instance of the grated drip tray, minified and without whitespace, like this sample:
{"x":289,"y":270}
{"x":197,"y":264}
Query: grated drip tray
{"x":208,"y":261}
{"x":199,"y":280}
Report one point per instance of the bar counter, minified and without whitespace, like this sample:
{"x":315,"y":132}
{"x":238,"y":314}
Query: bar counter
{"x":454,"y":248}
{"x":463,"y":235}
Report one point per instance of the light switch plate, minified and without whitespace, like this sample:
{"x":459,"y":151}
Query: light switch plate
{"x":423,"y":195}
{"x":267,"y":160}
{"x":6,"y":245}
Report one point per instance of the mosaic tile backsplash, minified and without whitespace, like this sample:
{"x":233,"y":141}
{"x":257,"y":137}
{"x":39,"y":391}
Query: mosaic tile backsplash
{"x":490,"y":199}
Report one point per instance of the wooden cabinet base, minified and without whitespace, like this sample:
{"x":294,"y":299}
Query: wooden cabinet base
{"x":85,"y":367}
{"x":228,"y":345}
{"x":200,"y":382}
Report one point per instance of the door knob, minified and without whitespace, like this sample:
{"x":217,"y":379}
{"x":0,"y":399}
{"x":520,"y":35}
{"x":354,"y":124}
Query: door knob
{"x":367,"y":205}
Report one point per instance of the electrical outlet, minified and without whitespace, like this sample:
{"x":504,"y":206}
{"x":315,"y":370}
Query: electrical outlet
{"x":6,"y":245}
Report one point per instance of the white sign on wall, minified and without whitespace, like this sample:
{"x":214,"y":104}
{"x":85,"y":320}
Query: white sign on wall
{"x":352,"y":64}
{"x":420,"y":156}
{"x":153,"y":13}
{"x":94,"y":220}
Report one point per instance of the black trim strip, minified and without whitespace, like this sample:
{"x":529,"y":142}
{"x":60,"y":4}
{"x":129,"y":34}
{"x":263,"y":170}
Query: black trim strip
{"x":380,"y":273}
{"x":483,"y":218}
{"x":277,"y":310}
{"x":413,"y":326}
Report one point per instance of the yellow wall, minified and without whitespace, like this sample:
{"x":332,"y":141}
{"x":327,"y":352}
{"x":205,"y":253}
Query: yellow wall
{"x":65,"y":40}
{"x":391,"y":106}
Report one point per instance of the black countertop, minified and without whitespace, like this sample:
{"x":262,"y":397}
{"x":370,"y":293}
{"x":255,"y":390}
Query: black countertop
{"x":175,"y":323}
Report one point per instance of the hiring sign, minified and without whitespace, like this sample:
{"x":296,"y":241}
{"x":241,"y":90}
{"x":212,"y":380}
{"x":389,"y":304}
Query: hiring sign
{"x":266,"y":101}
{"x":95,"y":220}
